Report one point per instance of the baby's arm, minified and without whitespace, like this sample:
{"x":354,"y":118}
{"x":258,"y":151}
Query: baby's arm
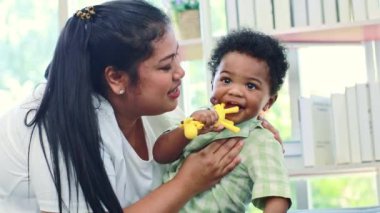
{"x":276,"y":205}
{"x":169,"y":145}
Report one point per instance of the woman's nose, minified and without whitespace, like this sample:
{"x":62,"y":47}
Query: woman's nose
{"x":179,"y":72}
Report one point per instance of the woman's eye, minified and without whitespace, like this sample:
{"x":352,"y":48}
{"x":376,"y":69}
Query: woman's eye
{"x":166,"y":68}
{"x":251,"y":86}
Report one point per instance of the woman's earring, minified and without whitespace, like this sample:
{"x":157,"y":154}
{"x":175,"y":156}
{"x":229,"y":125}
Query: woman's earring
{"x":122,"y":91}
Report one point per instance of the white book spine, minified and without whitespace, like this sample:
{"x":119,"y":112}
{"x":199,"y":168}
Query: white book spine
{"x":264,"y":15}
{"x":246,"y":13}
{"x":330,"y":15}
{"x":359,"y":9}
{"x":306,"y":123}
{"x":314,"y":12}
{"x":322,"y":128}
{"x":299,"y":13}
{"x":282,"y":17}
{"x":353,"y":125}
{"x":374,"y":91}
{"x":373,"y":8}
{"x":363,"y":111}
{"x":315,"y":122}
{"x":232,"y":15}
{"x":344,"y":11}
{"x":340,"y":129}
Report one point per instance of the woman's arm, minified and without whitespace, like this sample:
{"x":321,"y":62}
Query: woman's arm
{"x":219,"y":158}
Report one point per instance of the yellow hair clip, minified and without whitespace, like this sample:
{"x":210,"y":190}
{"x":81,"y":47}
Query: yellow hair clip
{"x":85,"y":13}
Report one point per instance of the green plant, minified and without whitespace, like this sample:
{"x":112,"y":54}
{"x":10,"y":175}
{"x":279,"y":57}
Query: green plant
{"x":179,"y":6}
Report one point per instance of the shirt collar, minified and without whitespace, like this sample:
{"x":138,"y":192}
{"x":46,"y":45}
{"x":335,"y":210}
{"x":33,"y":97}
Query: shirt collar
{"x":245,"y":128}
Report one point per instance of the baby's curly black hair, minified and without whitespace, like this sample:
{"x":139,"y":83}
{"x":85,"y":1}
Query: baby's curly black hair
{"x":257,"y":45}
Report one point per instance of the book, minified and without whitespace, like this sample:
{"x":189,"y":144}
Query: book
{"x":344,"y":11}
{"x":364,"y":114}
{"x":298,"y":13}
{"x":232,"y":15}
{"x":329,"y":9}
{"x":281,"y":14}
{"x":340,"y":138}
{"x":314,"y":12}
{"x":264,"y":15}
{"x":246,"y":13}
{"x":359,"y":10}
{"x":373,"y":9}
{"x":315,"y":122}
{"x":374,"y":96}
{"x":353,"y":124}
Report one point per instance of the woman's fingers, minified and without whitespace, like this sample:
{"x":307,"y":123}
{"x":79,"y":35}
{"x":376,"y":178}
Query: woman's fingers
{"x":228,"y":153}
{"x":271,"y":128}
{"x":224,"y":153}
{"x":205,"y":168}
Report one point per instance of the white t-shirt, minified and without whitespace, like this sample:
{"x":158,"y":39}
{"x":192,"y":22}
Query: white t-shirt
{"x":131,"y":177}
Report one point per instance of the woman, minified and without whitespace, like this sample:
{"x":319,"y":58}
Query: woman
{"x":83,"y":141}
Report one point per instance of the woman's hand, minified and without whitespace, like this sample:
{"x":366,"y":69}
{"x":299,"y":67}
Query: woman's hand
{"x":205,"y":168}
{"x":275,"y":132}
{"x":199,"y":172}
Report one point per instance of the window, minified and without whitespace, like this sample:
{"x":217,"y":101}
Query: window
{"x":344,"y":191}
{"x":29,"y":30}
{"x":326,"y":69}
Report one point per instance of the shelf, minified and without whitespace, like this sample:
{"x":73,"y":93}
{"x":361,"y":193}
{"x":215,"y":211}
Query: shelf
{"x":335,"y":33}
{"x":335,"y":169}
{"x":190,"y":49}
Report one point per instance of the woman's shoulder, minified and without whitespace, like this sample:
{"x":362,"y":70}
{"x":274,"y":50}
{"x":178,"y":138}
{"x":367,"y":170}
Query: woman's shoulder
{"x":27,"y":106}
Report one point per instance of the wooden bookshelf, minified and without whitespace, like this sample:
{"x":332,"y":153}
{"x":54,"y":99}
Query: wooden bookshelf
{"x":335,"y":170}
{"x":337,"y":33}
{"x":190,"y":49}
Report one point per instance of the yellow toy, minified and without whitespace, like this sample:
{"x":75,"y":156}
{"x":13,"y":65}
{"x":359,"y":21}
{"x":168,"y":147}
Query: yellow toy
{"x":221,"y":111}
{"x":191,"y":127}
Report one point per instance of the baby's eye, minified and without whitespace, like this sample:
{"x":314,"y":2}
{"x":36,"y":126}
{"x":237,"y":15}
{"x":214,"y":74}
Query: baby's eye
{"x":225,"y":80}
{"x":251,"y":86}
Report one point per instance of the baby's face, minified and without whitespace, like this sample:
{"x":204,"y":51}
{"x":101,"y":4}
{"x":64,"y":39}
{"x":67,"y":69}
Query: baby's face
{"x":244,"y":81}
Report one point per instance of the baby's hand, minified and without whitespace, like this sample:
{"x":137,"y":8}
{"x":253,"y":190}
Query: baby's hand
{"x":208,"y":117}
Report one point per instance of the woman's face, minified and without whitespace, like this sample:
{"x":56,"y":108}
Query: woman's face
{"x":158,"y":88}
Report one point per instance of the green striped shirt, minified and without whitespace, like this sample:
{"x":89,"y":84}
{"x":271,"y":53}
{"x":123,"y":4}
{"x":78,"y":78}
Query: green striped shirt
{"x":260,"y":174}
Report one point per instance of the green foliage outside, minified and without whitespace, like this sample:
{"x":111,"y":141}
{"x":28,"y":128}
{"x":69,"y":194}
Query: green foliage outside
{"x":218,"y":17}
{"x":344,"y":191}
{"x":195,"y":85}
{"x":279,"y":114}
{"x":29,"y":30}
{"x":183,"y":5}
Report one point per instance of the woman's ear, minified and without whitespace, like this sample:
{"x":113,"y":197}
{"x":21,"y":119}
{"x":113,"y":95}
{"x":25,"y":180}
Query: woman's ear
{"x":116,"y":80}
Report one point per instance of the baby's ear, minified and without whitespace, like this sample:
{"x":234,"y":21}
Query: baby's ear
{"x":269,"y":103}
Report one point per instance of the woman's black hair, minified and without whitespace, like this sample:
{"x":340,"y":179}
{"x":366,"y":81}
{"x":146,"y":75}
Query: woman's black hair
{"x":120,"y":34}
{"x":257,"y":45}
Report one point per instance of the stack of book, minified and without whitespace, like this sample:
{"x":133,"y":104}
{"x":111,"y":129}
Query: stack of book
{"x":281,"y":15}
{"x":342,"y":128}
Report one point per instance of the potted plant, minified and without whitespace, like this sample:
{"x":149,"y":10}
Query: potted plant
{"x":186,"y":15}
